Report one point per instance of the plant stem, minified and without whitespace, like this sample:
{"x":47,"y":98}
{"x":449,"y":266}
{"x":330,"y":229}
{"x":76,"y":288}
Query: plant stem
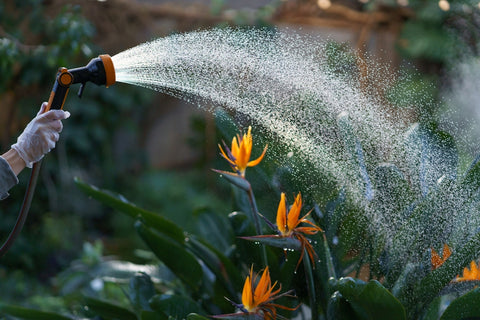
{"x":310,"y":285}
{"x":253,"y":205}
{"x":255,"y":214}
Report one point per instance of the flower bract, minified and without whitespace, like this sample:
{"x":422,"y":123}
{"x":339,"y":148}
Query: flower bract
{"x":438,"y":260}
{"x":472,"y":274}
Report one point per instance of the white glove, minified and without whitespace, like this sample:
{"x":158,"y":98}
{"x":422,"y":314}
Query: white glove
{"x":40,"y":135}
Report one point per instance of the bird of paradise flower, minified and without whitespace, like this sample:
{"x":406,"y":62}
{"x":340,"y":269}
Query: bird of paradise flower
{"x":258,"y":298}
{"x":288,"y":226}
{"x":239,"y":155}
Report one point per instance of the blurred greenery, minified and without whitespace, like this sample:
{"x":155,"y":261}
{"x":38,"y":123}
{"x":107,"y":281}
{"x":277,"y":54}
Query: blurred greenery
{"x":33,"y":46}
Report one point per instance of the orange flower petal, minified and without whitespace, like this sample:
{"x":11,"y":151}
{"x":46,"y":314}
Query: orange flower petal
{"x":436,"y":259}
{"x":253,"y":163}
{"x":247,"y":293}
{"x":282,"y":215}
{"x":294,"y":213}
{"x":263,"y":289}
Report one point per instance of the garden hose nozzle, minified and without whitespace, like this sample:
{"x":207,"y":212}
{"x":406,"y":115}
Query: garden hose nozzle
{"x":99,"y":70}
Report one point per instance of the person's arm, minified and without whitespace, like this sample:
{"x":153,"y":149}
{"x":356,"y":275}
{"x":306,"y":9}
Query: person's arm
{"x":8,"y":178}
{"x":38,"y":138}
{"x":14,"y":160}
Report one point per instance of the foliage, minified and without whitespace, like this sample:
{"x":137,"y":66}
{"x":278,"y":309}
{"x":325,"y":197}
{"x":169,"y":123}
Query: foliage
{"x":189,"y":274}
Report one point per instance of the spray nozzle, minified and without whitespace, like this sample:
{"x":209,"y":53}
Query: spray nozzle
{"x":99,"y":70}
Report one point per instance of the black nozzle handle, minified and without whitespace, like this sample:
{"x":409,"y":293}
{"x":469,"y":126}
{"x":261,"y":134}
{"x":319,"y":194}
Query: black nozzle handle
{"x":60,"y":89}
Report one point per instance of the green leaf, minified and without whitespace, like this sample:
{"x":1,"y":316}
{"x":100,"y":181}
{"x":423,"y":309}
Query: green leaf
{"x":324,"y":267}
{"x":235,"y":179}
{"x":392,"y":191}
{"x":141,"y":291}
{"x":339,"y":309}
{"x":418,"y":233}
{"x":175,"y":256}
{"x":243,"y":226}
{"x":220,"y":265}
{"x":471,"y":178}
{"x":370,"y":300}
{"x":356,"y":157}
{"x":431,"y":154}
{"x":464,"y":307}
{"x":276,"y":241}
{"x":435,"y":308}
{"x":118,"y":202}
{"x":108,"y":310}
{"x":214,"y":229}
{"x":175,"y":305}
{"x":26,"y":313}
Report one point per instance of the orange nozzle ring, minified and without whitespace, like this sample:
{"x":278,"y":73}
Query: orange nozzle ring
{"x":65,"y":78}
{"x":109,"y":69}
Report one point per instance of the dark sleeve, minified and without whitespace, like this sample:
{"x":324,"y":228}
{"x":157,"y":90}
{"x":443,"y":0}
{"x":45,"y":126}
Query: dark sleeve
{"x":7,"y":178}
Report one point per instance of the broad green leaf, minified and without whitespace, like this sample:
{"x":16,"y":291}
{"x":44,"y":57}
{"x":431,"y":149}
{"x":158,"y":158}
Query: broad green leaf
{"x":418,"y":233}
{"x":356,"y":157}
{"x":370,"y":300}
{"x":226,"y":273}
{"x":108,"y":310}
{"x":324,"y":267}
{"x":464,"y":307}
{"x":141,"y":290}
{"x":175,"y":305}
{"x":26,"y":313}
{"x":431,"y":154}
{"x":339,"y":309}
{"x":435,"y":308}
{"x":118,"y":202}
{"x":471,"y":178}
{"x":243,"y":226}
{"x":334,"y":214}
{"x":392,"y":191}
{"x":175,"y":256}
{"x":309,"y":281}
{"x":214,"y":229}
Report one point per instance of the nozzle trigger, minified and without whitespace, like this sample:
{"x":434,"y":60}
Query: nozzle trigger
{"x":80,"y":91}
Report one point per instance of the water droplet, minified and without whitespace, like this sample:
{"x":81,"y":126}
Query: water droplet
{"x":335,"y":240}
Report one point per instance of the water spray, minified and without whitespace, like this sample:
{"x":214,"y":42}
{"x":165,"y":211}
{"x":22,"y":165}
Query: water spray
{"x":99,"y":71}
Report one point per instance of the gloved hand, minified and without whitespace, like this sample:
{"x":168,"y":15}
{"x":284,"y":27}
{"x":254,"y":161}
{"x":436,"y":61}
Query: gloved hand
{"x":40,"y":135}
